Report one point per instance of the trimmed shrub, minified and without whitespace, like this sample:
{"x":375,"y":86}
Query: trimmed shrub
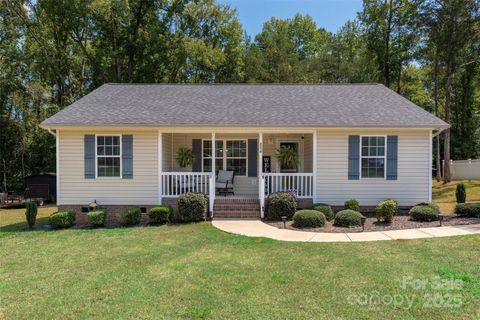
{"x":97,"y":218}
{"x":62,"y":219}
{"x":352,"y":204}
{"x":325,"y":209}
{"x":468,"y":209}
{"x":160,"y":214}
{"x":431,"y":205}
{"x":424,"y":213}
{"x":308,"y":219}
{"x":280,"y":204}
{"x":31,"y":210}
{"x":461,"y":193}
{"x":132,"y":216}
{"x":192,"y":206}
{"x":348,"y":218}
{"x":385,"y":210}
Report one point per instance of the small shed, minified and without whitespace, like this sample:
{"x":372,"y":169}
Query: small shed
{"x":41,"y":185}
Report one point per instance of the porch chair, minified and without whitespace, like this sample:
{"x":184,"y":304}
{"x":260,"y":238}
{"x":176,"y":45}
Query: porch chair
{"x":224,"y":182}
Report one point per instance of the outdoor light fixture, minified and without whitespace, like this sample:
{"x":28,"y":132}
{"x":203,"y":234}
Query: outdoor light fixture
{"x":363,"y":219}
{"x":284,"y":220}
{"x":440,"y":218}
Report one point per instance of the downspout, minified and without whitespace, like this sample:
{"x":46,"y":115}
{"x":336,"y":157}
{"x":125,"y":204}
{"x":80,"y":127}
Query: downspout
{"x":57,"y":163}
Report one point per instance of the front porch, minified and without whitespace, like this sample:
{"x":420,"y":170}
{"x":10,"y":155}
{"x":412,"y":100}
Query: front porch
{"x":251,"y":156}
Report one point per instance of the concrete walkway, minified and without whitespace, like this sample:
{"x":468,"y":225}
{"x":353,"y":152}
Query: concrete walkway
{"x":256,"y":228}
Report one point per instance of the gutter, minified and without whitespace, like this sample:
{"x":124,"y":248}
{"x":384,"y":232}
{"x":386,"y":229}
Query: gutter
{"x":52,"y":132}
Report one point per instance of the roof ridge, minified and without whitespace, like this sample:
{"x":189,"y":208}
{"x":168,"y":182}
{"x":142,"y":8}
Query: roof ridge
{"x":243,"y":84}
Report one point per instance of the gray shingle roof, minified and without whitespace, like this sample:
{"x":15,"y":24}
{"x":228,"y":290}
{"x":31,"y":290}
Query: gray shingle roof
{"x":339,"y":105}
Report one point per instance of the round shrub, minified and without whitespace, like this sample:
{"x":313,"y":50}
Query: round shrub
{"x":308,"y":219}
{"x":461,"y":193}
{"x":348,"y":218}
{"x":385,"y":210}
{"x":468,"y":209}
{"x":97,"y":218}
{"x":424,"y":213}
{"x":31,"y":210}
{"x":431,"y":205}
{"x":62,"y":219}
{"x":192,"y":206}
{"x":132,"y":216}
{"x":352,"y":204}
{"x":280,"y":204}
{"x":325,"y":209}
{"x":160,"y":214}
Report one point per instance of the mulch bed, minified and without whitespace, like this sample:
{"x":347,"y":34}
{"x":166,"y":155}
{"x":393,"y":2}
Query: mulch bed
{"x":401,"y":221}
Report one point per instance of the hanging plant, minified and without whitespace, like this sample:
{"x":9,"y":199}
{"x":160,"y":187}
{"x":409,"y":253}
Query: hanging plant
{"x":288,"y":158}
{"x":185,"y":157}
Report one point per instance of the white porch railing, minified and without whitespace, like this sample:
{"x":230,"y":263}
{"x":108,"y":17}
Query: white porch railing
{"x":174,"y":184}
{"x":302,"y":183}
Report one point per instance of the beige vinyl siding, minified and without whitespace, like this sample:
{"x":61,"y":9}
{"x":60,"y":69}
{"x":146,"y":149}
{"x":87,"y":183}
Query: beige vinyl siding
{"x":333,"y":186}
{"x":76,"y":190}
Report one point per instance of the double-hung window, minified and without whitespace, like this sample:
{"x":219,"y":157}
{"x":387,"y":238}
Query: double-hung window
{"x":109,"y":156}
{"x":229,"y":155}
{"x":373,"y":156}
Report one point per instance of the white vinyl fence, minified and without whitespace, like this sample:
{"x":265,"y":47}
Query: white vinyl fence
{"x":465,"y":169}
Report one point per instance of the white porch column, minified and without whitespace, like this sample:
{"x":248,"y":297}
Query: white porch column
{"x":314,"y":150}
{"x":261,"y":179}
{"x":212,"y":178}
{"x":160,"y":166}
{"x":57,"y":159}
{"x":430,"y":150}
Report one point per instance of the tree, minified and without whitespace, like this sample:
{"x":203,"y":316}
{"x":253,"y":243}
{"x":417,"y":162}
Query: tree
{"x":453,"y":25}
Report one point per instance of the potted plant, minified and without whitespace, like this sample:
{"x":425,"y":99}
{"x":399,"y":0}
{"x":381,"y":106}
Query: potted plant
{"x":185,"y":157}
{"x":287,"y":158}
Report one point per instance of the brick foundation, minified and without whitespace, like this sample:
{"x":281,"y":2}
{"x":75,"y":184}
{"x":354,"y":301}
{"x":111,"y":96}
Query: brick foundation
{"x":114,"y":214}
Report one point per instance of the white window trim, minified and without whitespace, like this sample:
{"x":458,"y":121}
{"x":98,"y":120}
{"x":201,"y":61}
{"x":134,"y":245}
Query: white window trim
{"x":384,"y":157}
{"x":96,"y":156}
{"x":224,"y":154}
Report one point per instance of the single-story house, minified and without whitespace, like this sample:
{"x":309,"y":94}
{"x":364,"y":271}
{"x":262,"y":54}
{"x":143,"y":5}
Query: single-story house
{"x":118,"y":145}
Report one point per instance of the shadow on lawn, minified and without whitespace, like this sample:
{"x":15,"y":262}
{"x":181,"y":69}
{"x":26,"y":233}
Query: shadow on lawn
{"x":22,"y":226}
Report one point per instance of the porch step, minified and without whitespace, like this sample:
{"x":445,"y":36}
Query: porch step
{"x":236,"y":208}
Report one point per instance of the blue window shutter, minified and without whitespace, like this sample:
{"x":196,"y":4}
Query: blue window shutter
{"x":353,"y":157}
{"x":392,"y":157}
{"x":127,"y":156}
{"x":197,"y":151}
{"x":252,"y":157}
{"x":89,"y":156}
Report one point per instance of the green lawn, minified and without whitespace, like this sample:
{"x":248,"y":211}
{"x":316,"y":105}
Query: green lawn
{"x":197,"y":271}
{"x":444,"y":194}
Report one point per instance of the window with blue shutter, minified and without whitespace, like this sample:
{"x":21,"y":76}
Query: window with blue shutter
{"x":353,"y":157}
{"x":197,"y":151}
{"x":252,"y":157}
{"x":392,"y":157}
{"x":127,"y":156}
{"x":89,"y":156}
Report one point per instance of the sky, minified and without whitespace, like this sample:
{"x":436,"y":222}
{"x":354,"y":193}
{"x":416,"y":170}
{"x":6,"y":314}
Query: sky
{"x":329,"y":14}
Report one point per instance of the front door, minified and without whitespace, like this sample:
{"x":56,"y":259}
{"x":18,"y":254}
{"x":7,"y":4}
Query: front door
{"x":294,"y":146}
